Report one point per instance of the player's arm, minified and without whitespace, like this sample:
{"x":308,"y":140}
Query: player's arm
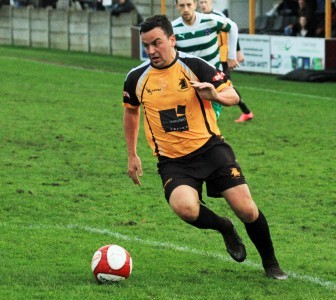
{"x":240,"y":54}
{"x":226,"y":96}
{"x":233,"y":39}
{"x":131,"y":131}
{"x":232,"y":44}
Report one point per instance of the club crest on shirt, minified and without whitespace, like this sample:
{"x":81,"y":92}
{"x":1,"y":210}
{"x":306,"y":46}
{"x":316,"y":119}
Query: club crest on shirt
{"x":235,"y":172}
{"x":183,"y":85}
{"x":207,"y":31}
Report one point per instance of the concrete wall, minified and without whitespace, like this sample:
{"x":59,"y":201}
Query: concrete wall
{"x":88,"y":31}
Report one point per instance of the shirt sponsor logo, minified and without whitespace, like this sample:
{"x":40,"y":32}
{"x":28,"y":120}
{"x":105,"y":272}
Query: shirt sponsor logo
{"x":150,"y":91}
{"x":174,"y":119}
{"x":218,"y":76}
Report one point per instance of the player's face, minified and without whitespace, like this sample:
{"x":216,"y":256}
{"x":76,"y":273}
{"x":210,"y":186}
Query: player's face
{"x":159,"y":47}
{"x":206,"y":6}
{"x":187,"y":9}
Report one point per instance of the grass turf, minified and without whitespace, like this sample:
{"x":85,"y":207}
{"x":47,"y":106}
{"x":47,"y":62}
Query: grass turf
{"x":64,"y":190}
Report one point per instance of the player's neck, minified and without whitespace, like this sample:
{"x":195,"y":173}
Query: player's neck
{"x":191,"y":22}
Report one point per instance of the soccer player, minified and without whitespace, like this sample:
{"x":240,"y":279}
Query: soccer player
{"x":175,"y":90}
{"x":207,"y":8}
{"x":196,"y":34}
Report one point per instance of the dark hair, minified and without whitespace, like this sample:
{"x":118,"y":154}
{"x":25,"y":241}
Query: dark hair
{"x":157,"y":21}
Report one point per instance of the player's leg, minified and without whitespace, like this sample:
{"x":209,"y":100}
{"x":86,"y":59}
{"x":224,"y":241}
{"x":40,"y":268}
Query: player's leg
{"x":184,"y":200}
{"x":246,"y":113}
{"x":240,"y":200}
{"x":226,"y":69}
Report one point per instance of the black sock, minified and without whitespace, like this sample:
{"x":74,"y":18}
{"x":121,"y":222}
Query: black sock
{"x":259,"y":233}
{"x":226,"y":69}
{"x":243,"y":106}
{"x":207,"y":219}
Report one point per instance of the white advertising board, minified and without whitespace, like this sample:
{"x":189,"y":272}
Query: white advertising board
{"x":290,"y":53}
{"x":257,"y":52}
{"x":276,"y":54}
{"x":281,"y":54}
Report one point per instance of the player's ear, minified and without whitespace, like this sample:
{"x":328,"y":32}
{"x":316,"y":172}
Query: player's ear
{"x":173,"y":40}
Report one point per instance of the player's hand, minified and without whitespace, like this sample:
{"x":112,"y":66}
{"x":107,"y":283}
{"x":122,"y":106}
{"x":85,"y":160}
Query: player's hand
{"x":134,"y":169}
{"x":240,"y":56}
{"x":205,"y":90}
{"x":232,"y":63}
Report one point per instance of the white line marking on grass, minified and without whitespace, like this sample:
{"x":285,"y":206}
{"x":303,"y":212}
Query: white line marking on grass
{"x":286,"y":93}
{"x":324,"y":283}
{"x":315,"y":280}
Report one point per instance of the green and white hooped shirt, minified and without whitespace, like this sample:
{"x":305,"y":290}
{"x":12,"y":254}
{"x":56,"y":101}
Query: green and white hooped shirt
{"x":200,"y":39}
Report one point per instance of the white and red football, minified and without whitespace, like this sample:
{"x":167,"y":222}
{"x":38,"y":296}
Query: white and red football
{"x":111,"y":263}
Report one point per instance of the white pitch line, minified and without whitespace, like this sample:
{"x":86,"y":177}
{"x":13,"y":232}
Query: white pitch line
{"x":327,"y":284}
{"x":286,"y":93}
{"x":315,"y":280}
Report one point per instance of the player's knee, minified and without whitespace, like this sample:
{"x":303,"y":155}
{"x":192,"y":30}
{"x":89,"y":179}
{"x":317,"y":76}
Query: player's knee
{"x":188,"y":213}
{"x":184,"y":202}
{"x":249,"y":213}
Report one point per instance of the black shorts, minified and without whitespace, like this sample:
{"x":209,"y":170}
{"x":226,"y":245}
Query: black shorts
{"x":214,"y":163}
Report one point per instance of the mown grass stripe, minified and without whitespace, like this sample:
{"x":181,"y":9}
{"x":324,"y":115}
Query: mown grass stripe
{"x":263,"y":90}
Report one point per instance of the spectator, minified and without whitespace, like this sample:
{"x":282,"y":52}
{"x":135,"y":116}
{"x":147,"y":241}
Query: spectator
{"x":285,"y":8}
{"x":302,"y":29}
{"x":122,"y":6}
{"x":48,"y":3}
{"x":98,"y":5}
{"x":305,"y":10}
{"x":107,"y":5}
{"x":18,"y":3}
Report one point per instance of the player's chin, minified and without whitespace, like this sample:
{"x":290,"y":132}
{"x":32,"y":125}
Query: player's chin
{"x":157,"y":62}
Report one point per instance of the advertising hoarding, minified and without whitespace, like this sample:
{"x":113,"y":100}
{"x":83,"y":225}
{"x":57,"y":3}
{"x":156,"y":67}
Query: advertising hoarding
{"x":281,"y":54}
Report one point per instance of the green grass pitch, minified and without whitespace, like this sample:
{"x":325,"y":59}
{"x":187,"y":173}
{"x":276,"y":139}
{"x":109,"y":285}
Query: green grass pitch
{"x":64,"y":191}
